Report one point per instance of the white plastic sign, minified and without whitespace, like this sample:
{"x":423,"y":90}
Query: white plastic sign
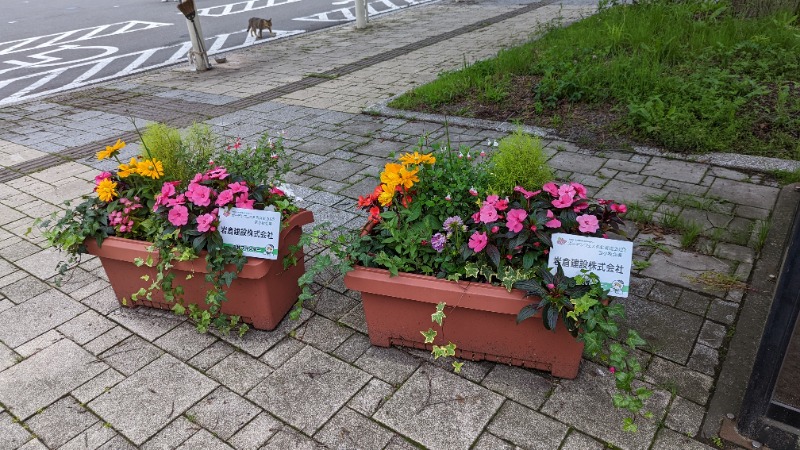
{"x":254,"y":231}
{"x":609,"y":259}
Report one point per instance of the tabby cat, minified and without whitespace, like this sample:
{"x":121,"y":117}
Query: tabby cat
{"x":259,"y":24}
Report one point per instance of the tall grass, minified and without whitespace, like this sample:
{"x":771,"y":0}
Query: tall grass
{"x":689,"y":75}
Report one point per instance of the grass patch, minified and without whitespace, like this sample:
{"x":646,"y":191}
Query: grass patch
{"x":785,"y":177}
{"x":689,"y":76}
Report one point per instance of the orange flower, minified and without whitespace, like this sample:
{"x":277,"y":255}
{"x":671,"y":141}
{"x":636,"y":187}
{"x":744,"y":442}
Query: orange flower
{"x":110,"y":150}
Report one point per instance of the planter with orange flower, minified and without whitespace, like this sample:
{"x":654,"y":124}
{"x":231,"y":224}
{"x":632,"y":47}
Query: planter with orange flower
{"x":158,"y":236}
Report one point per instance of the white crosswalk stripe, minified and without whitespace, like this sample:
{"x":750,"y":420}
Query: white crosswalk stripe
{"x":348,"y":13}
{"x":79,"y":35}
{"x":241,"y":7}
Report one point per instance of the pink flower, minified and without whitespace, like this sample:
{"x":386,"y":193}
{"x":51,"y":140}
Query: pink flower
{"x":168,"y":189}
{"x":580,"y":190}
{"x":476,"y":217}
{"x":205,"y":222}
{"x":198,"y":178}
{"x":526,"y":193}
{"x":564,"y":201}
{"x":550,"y":286}
{"x":179,"y":200}
{"x":587,"y":223}
{"x":612,"y":369}
{"x":553,"y":222}
{"x":619,"y":208}
{"x":567,"y":190}
{"x":224,"y":197}
{"x":217,"y":174}
{"x":198,"y":194}
{"x":578,"y":207}
{"x":515,"y":218}
{"x":495,"y":229}
{"x":477,"y":241}
{"x":473,"y":192}
{"x":502,"y":205}
{"x":178,"y":215}
{"x":238,"y":188}
{"x":277,"y":191}
{"x":488,"y":214}
{"x":551,"y":188}
{"x":447,"y":197}
{"x":102,"y":176}
{"x":491,"y":200}
{"x":243,"y":202}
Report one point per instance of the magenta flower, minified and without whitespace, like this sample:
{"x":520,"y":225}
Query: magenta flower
{"x":495,"y":229}
{"x":551,"y":188}
{"x":619,"y":208}
{"x":198,"y":194}
{"x":205,"y":222}
{"x":473,"y":192}
{"x":564,"y":201}
{"x":587,"y":223}
{"x":491,"y":200}
{"x":238,"y":188}
{"x":224,"y":197}
{"x":553,"y":222}
{"x":578,"y":207}
{"x":515,"y":218}
{"x":178,"y":215}
{"x":528,"y":194}
{"x":179,"y":200}
{"x":277,"y":191}
{"x":580,"y":190}
{"x":217,"y":174}
{"x":243,"y":202}
{"x":102,"y":176}
{"x":488,"y":214}
{"x":502,"y":205}
{"x":477,"y":241}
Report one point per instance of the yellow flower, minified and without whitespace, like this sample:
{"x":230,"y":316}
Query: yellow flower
{"x":408,"y":177}
{"x":387,"y":195}
{"x":110,"y":150}
{"x":126,"y":170}
{"x":107,"y":190}
{"x":150,"y":168}
{"x":391,"y":174}
{"x":417,"y":158}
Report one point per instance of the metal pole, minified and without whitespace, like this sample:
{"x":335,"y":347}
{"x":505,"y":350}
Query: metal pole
{"x":198,"y":54}
{"x":361,"y":14}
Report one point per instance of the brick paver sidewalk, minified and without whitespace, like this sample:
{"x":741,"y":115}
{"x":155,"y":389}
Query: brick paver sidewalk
{"x":77,"y":371}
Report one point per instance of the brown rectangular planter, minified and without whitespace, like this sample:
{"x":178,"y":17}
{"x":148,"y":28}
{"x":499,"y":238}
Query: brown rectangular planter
{"x":481,"y":320}
{"x":262,"y":293}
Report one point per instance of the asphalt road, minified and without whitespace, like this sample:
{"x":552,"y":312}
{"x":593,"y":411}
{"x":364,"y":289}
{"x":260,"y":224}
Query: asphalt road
{"x":58,"y":45}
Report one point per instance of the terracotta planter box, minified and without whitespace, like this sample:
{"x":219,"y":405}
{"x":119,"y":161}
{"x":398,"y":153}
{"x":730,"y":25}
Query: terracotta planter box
{"x":481,"y":320}
{"x":262,"y":294}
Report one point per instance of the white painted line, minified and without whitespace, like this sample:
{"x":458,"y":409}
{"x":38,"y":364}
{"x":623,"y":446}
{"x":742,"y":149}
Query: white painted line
{"x":183,"y":50}
{"x":218,"y":43}
{"x":100,"y":65}
{"x":21,"y":93}
{"x":348,"y":15}
{"x":138,"y":61}
{"x":241,"y":7}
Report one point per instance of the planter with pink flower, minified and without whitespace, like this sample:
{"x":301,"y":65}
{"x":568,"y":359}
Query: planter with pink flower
{"x":155,"y":224}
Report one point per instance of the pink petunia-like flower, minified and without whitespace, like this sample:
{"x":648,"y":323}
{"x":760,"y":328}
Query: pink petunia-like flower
{"x":205,"y":222}
{"x":567,"y":190}
{"x":491,"y":200}
{"x":473,"y":192}
{"x":528,"y":194}
{"x":551,"y":189}
{"x":102,"y":176}
{"x":224,"y":197}
{"x":217,"y":174}
{"x":243,"y":202}
{"x":578,"y":207}
{"x":502,"y":205}
{"x":564,"y":201}
{"x":178,"y":216}
{"x":580,"y":190}
{"x":495,"y":229}
{"x":180,"y":199}
{"x":478,"y":241}
{"x":488,"y":214}
{"x":238,"y":188}
{"x":277,"y":191}
{"x":198,"y":194}
{"x":515,"y":218}
{"x":587,"y":223}
{"x":619,"y":208}
{"x":553,"y":222}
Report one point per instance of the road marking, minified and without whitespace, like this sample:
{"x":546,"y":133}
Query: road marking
{"x":348,"y":13}
{"x":43,"y":59}
{"x":240,"y":7}
{"x":93,"y":70}
{"x":83,"y":34}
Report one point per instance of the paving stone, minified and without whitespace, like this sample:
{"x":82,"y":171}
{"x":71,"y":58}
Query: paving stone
{"x":253,"y":435}
{"x":625,"y":192}
{"x":257,"y":342}
{"x":693,"y":302}
{"x":673,"y":338}
{"x":722,"y":311}
{"x":86,"y":327}
{"x":704,"y":359}
{"x":35,"y":345}
{"x":671,"y":169}
{"x":585,"y":403}
{"x":239,"y":372}
{"x":308,"y":389}
{"x":712,"y":334}
{"x":371,"y":397}
{"x":131,"y":355}
{"x":7,"y":357}
{"x":664,"y":293}
{"x":287,"y":438}
{"x":572,"y":162}
{"x":97,"y":385}
{"x":42,"y":265}
{"x":641,"y":287}
{"x":388,"y":364}
{"x":400,"y":443}
{"x":24,"y":289}
{"x":12,"y":435}
{"x":282,"y":351}
{"x":356,"y":320}
{"x":46,"y":376}
{"x":33,"y":444}
{"x":350,"y":430}
{"x":117,"y":443}
{"x":103,"y":301}
{"x":380,"y":149}
{"x":148,"y":323}
{"x":211,"y":355}
{"x":27,"y":320}
{"x":91,"y":438}
{"x":203,"y":440}
{"x":322,"y":333}
{"x":171,"y":436}
{"x":107,"y":340}
{"x":223,"y":412}
{"x":336,"y":170}
{"x":61,"y":421}
{"x":695,"y":386}
{"x":352,"y":348}
{"x":331,"y":304}
{"x":681,"y":267}
{"x":579,"y":441}
{"x":184,"y":341}
{"x":670,"y":440}
{"x":521,"y":385}
{"x":489,"y":441}
{"x":149,"y":399}
{"x":439,"y":409}
{"x":750,"y":212}
{"x":512,"y":423}
{"x":474,"y":371}
{"x":685,"y":417}
{"x":744,"y":193}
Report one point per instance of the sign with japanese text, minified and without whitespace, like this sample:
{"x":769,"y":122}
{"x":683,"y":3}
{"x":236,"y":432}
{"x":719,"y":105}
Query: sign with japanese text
{"x":254,"y":231}
{"x":609,"y":259}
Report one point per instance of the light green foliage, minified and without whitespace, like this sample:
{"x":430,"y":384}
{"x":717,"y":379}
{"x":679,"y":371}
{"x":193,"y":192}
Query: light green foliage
{"x":519,"y":161}
{"x":439,"y":315}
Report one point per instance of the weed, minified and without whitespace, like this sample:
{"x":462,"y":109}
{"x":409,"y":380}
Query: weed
{"x":717,"y":441}
{"x":639,"y":264}
{"x":637,"y":213}
{"x":785,"y":177}
{"x":761,"y":231}
{"x":690,"y":232}
{"x":718,"y":280}
{"x":657,"y":246}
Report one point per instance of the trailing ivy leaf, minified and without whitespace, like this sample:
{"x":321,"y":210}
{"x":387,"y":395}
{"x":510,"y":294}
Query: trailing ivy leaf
{"x":430,"y":335}
{"x":179,"y":309}
{"x":629,"y":426}
{"x":457,"y":366}
{"x":439,"y":315}
{"x":634,"y":340}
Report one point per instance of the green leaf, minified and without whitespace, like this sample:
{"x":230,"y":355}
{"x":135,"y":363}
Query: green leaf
{"x":430,"y":335}
{"x":179,"y":309}
{"x":531,"y":287}
{"x":457,"y":366}
{"x":528,"y":260}
{"x":438,"y":316}
{"x":145,"y":277}
{"x":527,"y":312}
{"x":552,"y":318}
{"x":629,"y":426}
{"x":493,"y":254}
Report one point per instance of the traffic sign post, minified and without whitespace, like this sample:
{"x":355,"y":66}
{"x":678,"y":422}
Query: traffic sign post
{"x":198,"y":54}
{"x":361,"y":14}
